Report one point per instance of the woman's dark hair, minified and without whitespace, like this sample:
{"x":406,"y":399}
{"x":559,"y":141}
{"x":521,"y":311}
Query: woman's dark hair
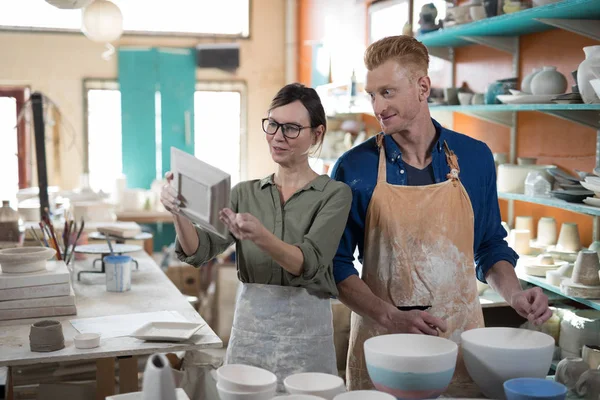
{"x":309,"y":99}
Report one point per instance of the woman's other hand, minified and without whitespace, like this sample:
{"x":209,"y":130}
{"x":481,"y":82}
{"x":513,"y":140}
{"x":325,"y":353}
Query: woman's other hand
{"x":168,"y":195}
{"x":243,"y":226}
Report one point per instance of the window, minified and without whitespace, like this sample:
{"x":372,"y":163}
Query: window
{"x":104,"y":135}
{"x":184,"y":17}
{"x":220,"y":126}
{"x":387,"y":18}
{"x":9,"y":150}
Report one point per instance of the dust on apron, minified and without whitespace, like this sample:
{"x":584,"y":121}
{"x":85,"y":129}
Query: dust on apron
{"x":283,"y":329}
{"x":419,"y":252}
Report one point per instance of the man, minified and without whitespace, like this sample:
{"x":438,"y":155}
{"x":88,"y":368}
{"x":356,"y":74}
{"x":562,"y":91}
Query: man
{"x":424,"y":208}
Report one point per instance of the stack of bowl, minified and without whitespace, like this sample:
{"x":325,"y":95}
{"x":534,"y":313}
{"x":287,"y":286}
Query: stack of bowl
{"x":245,"y":382}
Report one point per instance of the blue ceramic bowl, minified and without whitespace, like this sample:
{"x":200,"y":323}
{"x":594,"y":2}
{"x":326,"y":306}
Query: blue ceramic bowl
{"x":534,"y":388}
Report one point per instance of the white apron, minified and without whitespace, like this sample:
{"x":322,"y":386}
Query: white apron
{"x":283,"y":329}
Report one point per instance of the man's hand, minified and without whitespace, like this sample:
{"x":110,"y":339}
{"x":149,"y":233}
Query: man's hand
{"x":414,"y":321}
{"x":532,"y":304}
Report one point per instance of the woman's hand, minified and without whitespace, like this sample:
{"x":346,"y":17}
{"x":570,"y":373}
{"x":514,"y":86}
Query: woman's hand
{"x":168,"y":195}
{"x":243,"y":226}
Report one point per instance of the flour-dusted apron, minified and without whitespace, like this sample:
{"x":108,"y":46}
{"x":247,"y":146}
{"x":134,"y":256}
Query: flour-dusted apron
{"x":419,"y":252}
{"x":283,"y":329}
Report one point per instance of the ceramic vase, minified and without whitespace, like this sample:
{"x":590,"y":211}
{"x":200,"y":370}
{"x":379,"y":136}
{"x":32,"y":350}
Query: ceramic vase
{"x":526,"y":82}
{"x":589,"y":69}
{"x":546,"y":231}
{"x":568,"y":239}
{"x":158,"y":382}
{"x":548,"y":81}
{"x":587,"y":266}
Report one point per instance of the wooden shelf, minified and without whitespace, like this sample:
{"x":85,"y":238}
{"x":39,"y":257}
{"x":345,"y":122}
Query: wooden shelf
{"x":566,"y":14}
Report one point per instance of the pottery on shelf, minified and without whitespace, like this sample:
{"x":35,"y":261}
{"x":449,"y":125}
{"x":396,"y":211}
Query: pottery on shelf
{"x":46,"y":336}
{"x":585,"y":281}
{"x":569,"y":370}
{"x":546,"y":231}
{"x":524,"y":222}
{"x":555,"y":277}
{"x":477,"y":13}
{"x":568,"y":238}
{"x":589,"y":69}
{"x":542,"y":264}
{"x":577,"y":329}
{"x":519,"y":240}
{"x":526,"y":82}
{"x":158,"y":382}
{"x":548,"y":81}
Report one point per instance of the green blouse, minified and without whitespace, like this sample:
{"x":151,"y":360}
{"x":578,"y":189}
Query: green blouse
{"x":313,"y":219}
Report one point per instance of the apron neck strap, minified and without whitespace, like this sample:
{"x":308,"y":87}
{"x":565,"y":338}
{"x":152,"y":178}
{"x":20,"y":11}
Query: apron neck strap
{"x":452,"y":160}
{"x":382,"y":173}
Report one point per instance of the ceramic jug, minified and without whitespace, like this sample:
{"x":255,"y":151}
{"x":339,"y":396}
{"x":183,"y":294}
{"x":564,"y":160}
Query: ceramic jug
{"x":589,"y":69}
{"x":158,"y":382}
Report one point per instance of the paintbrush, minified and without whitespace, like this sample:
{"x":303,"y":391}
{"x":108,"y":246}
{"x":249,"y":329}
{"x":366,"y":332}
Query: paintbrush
{"x":36,"y":237}
{"x":53,"y":236}
{"x":44,"y":234}
{"x":76,"y":239}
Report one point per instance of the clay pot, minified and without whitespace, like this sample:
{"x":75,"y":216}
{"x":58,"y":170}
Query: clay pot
{"x":569,"y":370}
{"x":46,"y":336}
{"x":548,"y":81}
{"x":587,"y":266}
{"x":158,"y":383}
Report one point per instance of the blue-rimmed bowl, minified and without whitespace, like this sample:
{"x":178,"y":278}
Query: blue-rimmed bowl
{"x":534,"y":389}
{"x":410,"y":366}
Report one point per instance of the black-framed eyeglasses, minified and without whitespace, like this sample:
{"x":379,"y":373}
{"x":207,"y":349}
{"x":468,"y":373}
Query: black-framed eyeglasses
{"x":290,"y":131}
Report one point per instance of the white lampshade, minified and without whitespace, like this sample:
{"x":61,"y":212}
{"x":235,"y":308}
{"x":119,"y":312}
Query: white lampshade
{"x":69,"y":4}
{"x":102,"y":21}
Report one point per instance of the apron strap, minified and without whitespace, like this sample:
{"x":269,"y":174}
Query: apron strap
{"x":452,"y":160}
{"x":382,"y":173}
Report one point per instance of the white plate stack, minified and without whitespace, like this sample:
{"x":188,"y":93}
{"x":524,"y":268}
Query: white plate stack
{"x":41,"y":294}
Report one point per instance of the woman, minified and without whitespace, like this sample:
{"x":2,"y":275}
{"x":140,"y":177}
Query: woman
{"x":287,"y":228}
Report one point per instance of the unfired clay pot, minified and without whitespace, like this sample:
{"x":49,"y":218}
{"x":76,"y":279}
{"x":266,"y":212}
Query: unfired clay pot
{"x":569,"y":370}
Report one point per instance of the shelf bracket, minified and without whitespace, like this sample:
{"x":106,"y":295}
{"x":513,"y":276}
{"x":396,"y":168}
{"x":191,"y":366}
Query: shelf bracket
{"x":584,"y":27}
{"x":445,"y":53}
{"x":508,"y":44}
{"x":589,"y":118}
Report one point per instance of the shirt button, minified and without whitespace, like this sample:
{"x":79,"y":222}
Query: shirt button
{"x":401,"y":171}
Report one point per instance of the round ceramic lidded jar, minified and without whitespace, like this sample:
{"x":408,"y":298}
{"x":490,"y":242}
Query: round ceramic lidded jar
{"x":587,"y":70}
{"x":548,"y":81}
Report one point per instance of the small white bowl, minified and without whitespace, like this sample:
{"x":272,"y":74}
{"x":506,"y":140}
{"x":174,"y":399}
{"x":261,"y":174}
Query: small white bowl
{"x":315,"y":383}
{"x":364,"y":395}
{"x":245,"y":378}
{"x":87,"y":340}
{"x":298,"y":397}
{"x":225,"y":394}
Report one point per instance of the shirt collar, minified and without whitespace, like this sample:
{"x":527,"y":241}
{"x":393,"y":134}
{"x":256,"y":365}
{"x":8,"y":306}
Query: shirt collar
{"x":318,"y":183}
{"x":393,"y":152}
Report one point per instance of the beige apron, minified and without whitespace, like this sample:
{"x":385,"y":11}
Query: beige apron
{"x":419,"y":251}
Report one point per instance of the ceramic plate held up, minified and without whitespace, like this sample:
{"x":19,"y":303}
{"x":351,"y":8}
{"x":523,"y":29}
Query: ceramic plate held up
{"x":166,"y":331}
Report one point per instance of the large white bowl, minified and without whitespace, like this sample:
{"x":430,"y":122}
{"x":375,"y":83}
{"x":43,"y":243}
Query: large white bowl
{"x":315,"y":383}
{"x":245,"y":378}
{"x":25,"y":259}
{"x":410,"y":366}
{"x":225,"y":394}
{"x":494,"y":355}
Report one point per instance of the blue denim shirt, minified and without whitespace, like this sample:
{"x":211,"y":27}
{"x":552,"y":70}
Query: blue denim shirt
{"x":358,"y":169}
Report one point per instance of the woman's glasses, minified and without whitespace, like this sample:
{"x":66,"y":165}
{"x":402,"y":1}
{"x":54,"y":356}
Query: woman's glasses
{"x":290,"y":131}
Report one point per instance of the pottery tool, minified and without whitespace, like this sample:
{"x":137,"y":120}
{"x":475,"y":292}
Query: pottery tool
{"x":44,"y":235}
{"x":76,"y":239}
{"x":36,"y":237}
{"x":110,"y":248}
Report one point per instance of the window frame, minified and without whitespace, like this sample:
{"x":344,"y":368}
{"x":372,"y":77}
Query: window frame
{"x":382,"y":5}
{"x":129,"y":33}
{"x":24,"y":143}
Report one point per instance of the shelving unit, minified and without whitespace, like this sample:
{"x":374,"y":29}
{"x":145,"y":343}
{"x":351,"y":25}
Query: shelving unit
{"x":551,"y":202}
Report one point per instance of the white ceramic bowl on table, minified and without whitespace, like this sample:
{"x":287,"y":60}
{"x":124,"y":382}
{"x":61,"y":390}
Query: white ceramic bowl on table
{"x":364,"y":395}
{"x":245,"y":378}
{"x":25,"y":259}
{"x":225,"y":394}
{"x":315,"y":383}
{"x":410,"y":366}
{"x":494,"y":355}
